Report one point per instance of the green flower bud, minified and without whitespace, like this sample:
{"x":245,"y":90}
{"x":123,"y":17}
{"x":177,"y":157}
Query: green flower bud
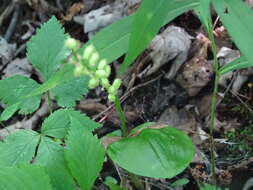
{"x":88,"y":51}
{"x":93,"y":83}
{"x":108,"y":70}
{"x":112,"y":90}
{"x":102,"y":64}
{"x":105,"y":83}
{"x":111,"y":98}
{"x":93,"y":61}
{"x":101,"y":74}
{"x":116,"y":83}
{"x":72,"y":44}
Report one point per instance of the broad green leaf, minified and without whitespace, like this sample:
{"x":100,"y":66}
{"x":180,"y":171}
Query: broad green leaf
{"x":237,"y":19}
{"x":46,"y":49}
{"x":147,"y":22}
{"x":158,"y":153}
{"x":109,"y":43}
{"x":13,"y":91}
{"x":239,"y":63}
{"x":19,"y":147}
{"x":58,"y":123}
{"x":51,"y":156}
{"x":26,"y":177}
{"x":84,"y":154}
{"x":70,"y":91}
{"x":203,"y":11}
{"x":180,"y":182}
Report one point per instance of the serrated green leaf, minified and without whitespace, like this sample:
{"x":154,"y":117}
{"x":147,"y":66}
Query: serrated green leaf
{"x":58,"y":123}
{"x":19,"y":147}
{"x":72,"y":90}
{"x":147,"y":22}
{"x":161,"y":153}
{"x":51,"y":156}
{"x":13,"y":91}
{"x":57,"y":78}
{"x":84,"y":154}
{"x":9,"y":111}
{"x":46,"y":49}
{"x":26,"y":177}
{"x":237,"y":18}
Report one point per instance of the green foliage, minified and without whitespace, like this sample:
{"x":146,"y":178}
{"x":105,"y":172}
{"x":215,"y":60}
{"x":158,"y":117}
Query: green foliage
{"x":27,"y":177}
{"x":84,"y":154}
{"x":112,"y":184}
{"x":46,"y":49}
{"x":51,"y":155}
{"x":237,"y":18}
{"x":210,"y":187}
{"x":161,"y":153}
{"x":58,"y":123}
{"x":180,"y":182}
{"x":13,"y":91}
{"x":147,"y":22}
{"x":18,"y":148}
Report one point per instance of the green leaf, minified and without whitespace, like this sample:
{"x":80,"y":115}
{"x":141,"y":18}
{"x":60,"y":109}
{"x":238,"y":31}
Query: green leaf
{"x":147,"y":22}
{"x":109,"y":43}
{"x":46,"y":49}
{"x":72,"y":90}
{"x":9,"y":111}
{"x":210,"y":187}
{"x":27,"y":177}
{"x":158,"y":153}
{"x":84,"y":154}
{"x":18,"y":148}
{"x":237,"y":19}
{"x":51,"y":156}
{"x":239,"y":63}
{"x":180,"y":182}
{"x":112,"y":183}
{"x":13,"y":91}
{"x":58,"y":123}
{"x":64,"y":74}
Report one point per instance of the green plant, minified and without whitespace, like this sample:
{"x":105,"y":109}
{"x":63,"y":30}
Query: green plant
{"x":66,"y":148}
{"x":210,"y":187}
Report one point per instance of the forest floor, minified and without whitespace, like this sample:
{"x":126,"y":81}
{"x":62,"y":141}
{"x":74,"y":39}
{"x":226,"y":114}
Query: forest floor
{"x":175,"y":90}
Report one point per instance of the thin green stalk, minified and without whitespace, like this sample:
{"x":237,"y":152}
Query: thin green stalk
{"x":134,"y":178}
{"x":122,"y":117}
{"x":2,"y":124}
{"x":213,"y":102}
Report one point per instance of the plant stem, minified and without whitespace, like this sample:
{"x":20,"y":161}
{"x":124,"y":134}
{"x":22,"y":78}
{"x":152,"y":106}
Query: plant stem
{"x":213,"y":102}
{"x":2,"y":124}
{"x":122,"y":117}
{"x":49,"y":102}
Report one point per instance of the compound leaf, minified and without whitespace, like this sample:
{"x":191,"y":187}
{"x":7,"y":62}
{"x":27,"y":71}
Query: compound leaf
{"x":161,"y":153}
{"x":147,"y":22}
{"x":28,"y":177}
{"x":18,"y":148}
{"x":51,"y":156}
{"x":13,"y":93}
{"x":84,"y":154}
{"x":72,"y":90}
{"x":46,"y":49}
{"x":58,"y":123}
{"x":237,"y":19}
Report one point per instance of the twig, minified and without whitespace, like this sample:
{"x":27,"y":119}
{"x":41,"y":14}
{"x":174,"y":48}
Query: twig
{"x":13,"y":23}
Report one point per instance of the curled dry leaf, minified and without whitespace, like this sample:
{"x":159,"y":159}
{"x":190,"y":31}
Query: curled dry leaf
{"x":72,"y":11}
{"x":239,"y":77}
{"x":172,"y":44}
